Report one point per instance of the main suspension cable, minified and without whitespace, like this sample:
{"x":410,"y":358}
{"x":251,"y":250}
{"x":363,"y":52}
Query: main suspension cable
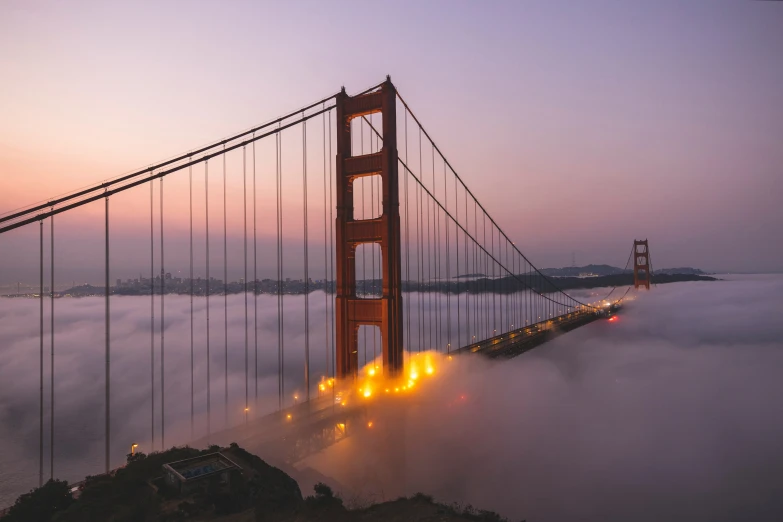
{"x":109,"y":183}
{"x":160,"y":174}
{"x":421,"y":127}
{"x":476,"y":203}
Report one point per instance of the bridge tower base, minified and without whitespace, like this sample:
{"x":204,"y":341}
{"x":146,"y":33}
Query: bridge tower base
{"x":384,"y":312}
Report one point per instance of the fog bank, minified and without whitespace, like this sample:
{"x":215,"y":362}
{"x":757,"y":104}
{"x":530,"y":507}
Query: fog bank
{"x":670,"y":413}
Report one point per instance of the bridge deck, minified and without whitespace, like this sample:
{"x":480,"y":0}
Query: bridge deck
{"x":521,"y":340}
{"x":295,"y":432}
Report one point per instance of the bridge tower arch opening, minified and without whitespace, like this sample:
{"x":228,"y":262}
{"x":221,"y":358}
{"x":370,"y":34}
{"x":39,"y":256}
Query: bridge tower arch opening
{"x":641,"y":264}
{"x":385,"y":312}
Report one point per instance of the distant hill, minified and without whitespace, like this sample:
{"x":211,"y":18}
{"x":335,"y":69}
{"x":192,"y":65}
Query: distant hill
{"x":681,"y":270}
{"x":607,"y":270}
{"x":583,"y":271}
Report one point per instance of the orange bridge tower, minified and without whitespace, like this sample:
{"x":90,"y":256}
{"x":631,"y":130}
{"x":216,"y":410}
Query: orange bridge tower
{"x":352,"y":312}
{"x":641,"y":264}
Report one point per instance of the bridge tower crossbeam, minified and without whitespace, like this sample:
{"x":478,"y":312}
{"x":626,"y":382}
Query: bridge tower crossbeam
{"x":351,"y":311}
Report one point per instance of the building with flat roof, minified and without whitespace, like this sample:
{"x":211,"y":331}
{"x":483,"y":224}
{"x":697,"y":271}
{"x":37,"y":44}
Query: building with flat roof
{"x":192,"y":474}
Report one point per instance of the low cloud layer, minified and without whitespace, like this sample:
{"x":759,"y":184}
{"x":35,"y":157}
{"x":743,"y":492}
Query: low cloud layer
{"x":671,"y":412}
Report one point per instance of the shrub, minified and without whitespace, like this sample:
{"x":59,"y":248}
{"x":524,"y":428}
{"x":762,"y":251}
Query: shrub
{"x":40,"y":504}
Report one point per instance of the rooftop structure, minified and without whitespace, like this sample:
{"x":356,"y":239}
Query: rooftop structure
{"x":189,"y":474}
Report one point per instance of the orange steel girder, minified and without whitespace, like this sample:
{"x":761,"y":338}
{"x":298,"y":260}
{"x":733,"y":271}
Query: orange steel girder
{"x":641,"y":264}
{"x":386,"y":311}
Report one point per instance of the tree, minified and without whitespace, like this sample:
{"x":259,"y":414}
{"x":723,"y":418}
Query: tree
{"x":39,"y":505}
{"x":135,"y":457}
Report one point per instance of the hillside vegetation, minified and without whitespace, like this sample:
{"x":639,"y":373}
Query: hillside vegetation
{"x":257,"y":492}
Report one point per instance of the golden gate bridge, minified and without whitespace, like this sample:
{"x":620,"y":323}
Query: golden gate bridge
{"x":410,"y":259}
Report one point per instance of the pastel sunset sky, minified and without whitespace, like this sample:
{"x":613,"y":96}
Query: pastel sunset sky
{"x":579,"y":125}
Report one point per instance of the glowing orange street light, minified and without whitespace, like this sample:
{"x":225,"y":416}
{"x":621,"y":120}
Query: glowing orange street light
{"x":133,"y":448}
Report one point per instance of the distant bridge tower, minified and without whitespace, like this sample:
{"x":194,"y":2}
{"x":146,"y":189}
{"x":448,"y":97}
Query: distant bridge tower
{"x":352,"y":312}
{"x":641,"y":264}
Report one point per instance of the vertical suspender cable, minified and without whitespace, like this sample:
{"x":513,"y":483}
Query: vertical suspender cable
{"x":484,"y":304}
{"x":467,"y":270}
{"x":51,"y":368}
{"x":520,"y":293}
{"x":108,"y":337}
{"x":306,"y":264}
{"x":206,"y":238}
{"x":364,"y":269}
{"x":282,"y":293}
{"x":419,"y":265}
{"x":512,"y":288}
{"x":481,"y":320}
{"x":437,"y":257}
{"x":41,"y":386}
{"x":372,"y":216}
{"x":457,"y":250}
{"x":255,"y":281}
{"x":490,"y":271}
{"x":477,"y":267}
{"x":515,"y":290}
{"x":475,"y":271}
{"x":429,"y":254}
{"x":192,"y":383}
{"x":500,"y":286}
{"x":279,"y":278}
{"x":504,"y":293}
{"x":487,"y":282}
{"x":528,"y":296}
{"x":152,"y":318}
{"x":407,"y":235}
{"x":162,"y":330}
{"x":421,"y":252}
{"x":326,"y":251}
{"x":331,"y":244}
{"x":225,"y":294}
{"x":497,"y":309}
{"x":244,"y":279}
{"x":448,"y":263}
{"x":525,"y":293}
